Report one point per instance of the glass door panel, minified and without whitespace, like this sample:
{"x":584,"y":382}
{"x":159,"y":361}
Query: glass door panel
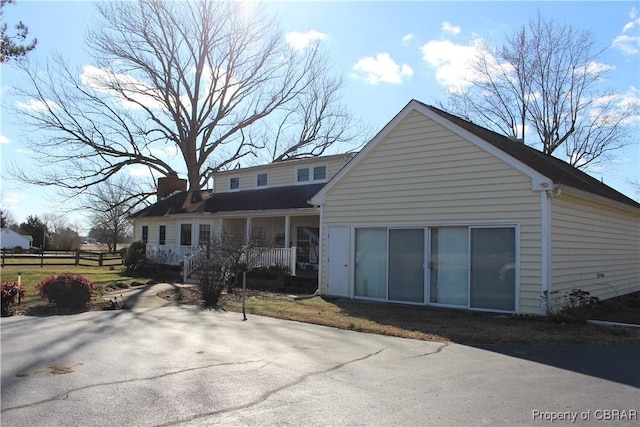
{"x":371,"y":263}
{"x":449,"y":266}
{"x":406,"y":265}
{"x":493,"y":254}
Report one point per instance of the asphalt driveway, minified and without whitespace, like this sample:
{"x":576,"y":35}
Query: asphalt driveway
{"x":185,"y":366}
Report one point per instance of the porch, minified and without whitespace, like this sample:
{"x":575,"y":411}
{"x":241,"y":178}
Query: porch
{"x":291,"y":241}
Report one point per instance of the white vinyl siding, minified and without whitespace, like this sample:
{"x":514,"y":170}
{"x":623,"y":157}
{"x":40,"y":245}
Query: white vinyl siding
{"x":280,"y":174}
{"x":424,"y":175}
{"x":595,"y":247}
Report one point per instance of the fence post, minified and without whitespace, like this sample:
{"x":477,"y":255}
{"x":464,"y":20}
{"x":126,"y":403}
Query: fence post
{"x":100,"y":255}
{"x":42,"y":257}
{"x":77,"y":257}
{"x":3,"y":254}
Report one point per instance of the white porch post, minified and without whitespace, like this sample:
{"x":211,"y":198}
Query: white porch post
{"x":287,"y":225}
{"x":248,"y":230}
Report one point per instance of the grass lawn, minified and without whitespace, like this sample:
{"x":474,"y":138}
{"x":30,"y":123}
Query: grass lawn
{"x":429,"y":323}
{"x":103,"y":277}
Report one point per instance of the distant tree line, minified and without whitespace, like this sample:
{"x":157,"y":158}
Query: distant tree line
{"x":53,"y":233}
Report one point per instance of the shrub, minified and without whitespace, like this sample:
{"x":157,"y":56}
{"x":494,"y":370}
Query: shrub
{"x":66,"y":290}
{"x":575,"y":305}
{"x":135,"y":255}
{"x":10,"y":291}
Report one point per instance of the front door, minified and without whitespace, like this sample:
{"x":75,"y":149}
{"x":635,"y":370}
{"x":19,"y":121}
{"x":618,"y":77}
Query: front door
{"x":338,"y":261}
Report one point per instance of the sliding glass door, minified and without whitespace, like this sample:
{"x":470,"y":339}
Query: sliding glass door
{"x":371,"y":263}
{"x":406,"y":265}
{"x":470,"y":267}
{"x":473,"y":267}
{"x":493,"y":254}
{"x":449,"y":266}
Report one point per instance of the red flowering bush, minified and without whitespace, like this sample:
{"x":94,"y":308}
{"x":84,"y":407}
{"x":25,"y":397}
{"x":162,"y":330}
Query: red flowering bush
{"x":66,"y":290}
{"x":10,"y":291}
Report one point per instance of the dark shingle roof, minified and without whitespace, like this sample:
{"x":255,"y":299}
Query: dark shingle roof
{"x":289,"y":197}
{"x":553,"y":168}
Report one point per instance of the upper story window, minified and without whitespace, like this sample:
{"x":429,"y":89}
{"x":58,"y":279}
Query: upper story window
{"x":319,"y":173}
{"x":234,"y":183}
{"x":303,"y":175}
{"x":311,"y":174}
{"x":261,"y":180}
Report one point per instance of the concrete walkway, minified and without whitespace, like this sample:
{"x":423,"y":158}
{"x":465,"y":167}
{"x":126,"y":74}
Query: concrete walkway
{"x":143,"y":297}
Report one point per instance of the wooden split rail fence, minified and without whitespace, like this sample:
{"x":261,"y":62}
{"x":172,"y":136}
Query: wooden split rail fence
{"x":76,"y":257}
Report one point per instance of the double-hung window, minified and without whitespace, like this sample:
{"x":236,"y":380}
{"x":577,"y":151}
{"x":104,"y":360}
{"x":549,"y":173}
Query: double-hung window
{"x":145,"y":233}
{"x":261,"y":180}
{"x":234,"y":183}
{"x":162,"y":234}
{"x":185,"y":234}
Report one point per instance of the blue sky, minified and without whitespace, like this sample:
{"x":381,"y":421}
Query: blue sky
{"x":387,"y":52}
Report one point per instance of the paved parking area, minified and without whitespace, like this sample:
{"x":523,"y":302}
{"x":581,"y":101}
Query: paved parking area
{"x":185,"y":366}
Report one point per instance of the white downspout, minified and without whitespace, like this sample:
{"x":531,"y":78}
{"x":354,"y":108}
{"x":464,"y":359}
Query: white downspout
{"x":546,"y":243}
{"x":321,"y":250}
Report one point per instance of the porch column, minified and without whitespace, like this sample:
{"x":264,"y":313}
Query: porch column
{"x":248,"y":231}
{"x":287,"y":225}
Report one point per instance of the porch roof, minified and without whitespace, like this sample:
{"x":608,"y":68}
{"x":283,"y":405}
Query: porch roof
{"x":288,"y":197}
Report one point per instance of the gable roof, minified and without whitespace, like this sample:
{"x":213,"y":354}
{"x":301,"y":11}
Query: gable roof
{"x":544,"y":169}
{"x":288,"y":197}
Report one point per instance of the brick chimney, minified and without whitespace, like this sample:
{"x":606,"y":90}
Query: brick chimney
{"x":169,"y":184}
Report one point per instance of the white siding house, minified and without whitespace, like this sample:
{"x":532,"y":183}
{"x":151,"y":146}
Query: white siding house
{"x":434,"y":210}
{"x":9,"y":239}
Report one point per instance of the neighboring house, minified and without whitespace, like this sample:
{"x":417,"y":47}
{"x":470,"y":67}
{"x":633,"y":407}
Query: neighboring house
{"x":10,"y":239}
{"x":435,"y":210}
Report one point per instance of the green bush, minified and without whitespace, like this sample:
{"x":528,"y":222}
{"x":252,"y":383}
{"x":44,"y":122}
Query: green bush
{"x":10,"y":291}
{"x":134,"y":255}
{"x":66,"y":290}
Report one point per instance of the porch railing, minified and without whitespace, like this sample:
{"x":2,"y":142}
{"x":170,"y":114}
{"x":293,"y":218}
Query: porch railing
{"x":189,"y":257}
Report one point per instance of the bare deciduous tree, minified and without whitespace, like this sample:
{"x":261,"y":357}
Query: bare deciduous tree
{"x":203,"y":77}
{"x":545,"y":86}
{"x":220,"y":263}
{"x":109,"y":204}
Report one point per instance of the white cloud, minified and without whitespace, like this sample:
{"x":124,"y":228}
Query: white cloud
{"x":407,"y":39}
{"x":166,"y":152}
{"x":102,"y":79}
{"x":35,"y":105}
{"x":140,"y":171}
{"x":448,"y":28}
{"x":381,"y":69}
{"x":628,"y":41}
{"x":452,"y":62}
{"x":597,"y":68}
{"x":4,"y":139}
{"x":299,"y":41}
{"x":13,"y":198}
